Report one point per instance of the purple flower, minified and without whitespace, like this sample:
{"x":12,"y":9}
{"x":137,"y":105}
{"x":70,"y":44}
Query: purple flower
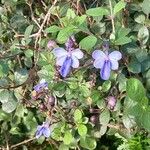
{"x":111,"y":102}
{"x":42,"y":85}
{"x":43,"y":130}
{"x":67,"y":58}
{"x":106,"y":62}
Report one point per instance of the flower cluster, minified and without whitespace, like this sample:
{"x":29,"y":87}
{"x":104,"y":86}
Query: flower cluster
{"x":102,"y":60}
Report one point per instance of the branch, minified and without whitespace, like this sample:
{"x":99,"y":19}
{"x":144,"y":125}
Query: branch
{"x":24,"y":142}
{"x":112,"y":17}
{"x":44,"y":21}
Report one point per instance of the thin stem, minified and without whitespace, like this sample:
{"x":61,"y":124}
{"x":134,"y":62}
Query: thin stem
{"x":112,"y":17}
{"x":24,"y":142}
{"x":7,"y":144}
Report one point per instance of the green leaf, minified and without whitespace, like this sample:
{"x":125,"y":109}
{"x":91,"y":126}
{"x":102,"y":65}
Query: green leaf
{"x":70,"y":14}
{"x":4,"y":116}
{"x":145,"y":65}
{"x":145,"y":120}
{"x":82,"y":129}
{"x":146,"y":6}
{"x":52,"y":29}
{"x":27,"y":33}
{"x":21,"y":76}
{"x":4,"y":68}
{"x":121,"y":36}
{"x":4,"y":96}
{"x":98,"y":11}
{"x":29,"y":53}
{"x":65,"y":33}
{"x":122,"y":82}
{"x":135,"y":89}
{"x":68,"y":138}
{"x":130,"y":48}
{"x":103,"y":129}
{"x":77,"y":115}
{"x":134,"y":66}
{"x":56,"y":134}
{"x":128,"y":121}
{"x":88,"y":42}
{"x":11,"y":104}
{"x":122,"y":40}
{"x":119,"y":6}
{"x":95,"y":96}
{"x":123,"y":32}
{"x":143,"y":35}
{"x":88,"y":143}
{"x":63,"y":147}
{"x":106,"y":86}
{"x":85,"y":91}
{"x":140,"y":18}
{"x":18,"y":21}
{"x":104,"y":117}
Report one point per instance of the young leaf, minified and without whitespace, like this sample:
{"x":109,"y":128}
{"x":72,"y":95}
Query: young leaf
{"x":103,"y":130}
{"x":52,"y":29}
{"x":82,"y":130}
{"x":65,"y":33}
{"x":67,"y":138}
{"x":77,"y":115}
{"x":98,"y":11}
{"x":27,"y":33}
{"x":63,"y":147}
{"x":88,"y":143}
{"x":119,"y":6}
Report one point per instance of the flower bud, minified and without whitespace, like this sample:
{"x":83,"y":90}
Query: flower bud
{"x":42,"y":107}
{"x":111,"y":102}
{"x":51,"y":101}
{"x":51,"y":44}
{"x":105,"y":45}
{"x":73,"y":104}
{"x":94,"y":119}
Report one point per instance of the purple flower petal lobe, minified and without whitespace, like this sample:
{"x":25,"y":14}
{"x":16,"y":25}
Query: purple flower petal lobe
{"x":60,"y":60}
{"x":59,"y":52}
{"x":77,"y":53}
{"x":46,"y":132}
{"x":105,"y":71}
{"x":115,"y":55}
{"x":114,"y":64}
{"x":98,"y":54}
{"x":75,"y":62}
{"x":99,"y":63}
{"x":66,"y":67}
